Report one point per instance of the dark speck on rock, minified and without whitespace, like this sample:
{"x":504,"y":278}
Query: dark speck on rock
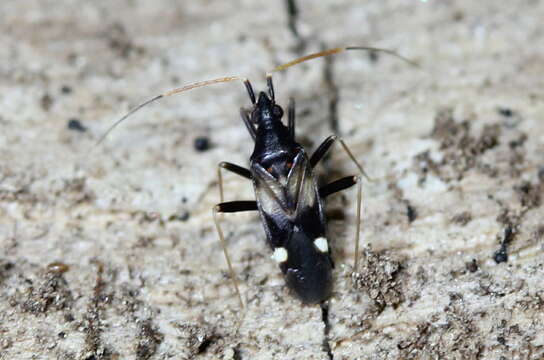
{"x":411,"y":212}
{"x":374,"y":57}
{"x":65,"y":89}
{"x":500,"y":255}
{"x":184,"y":216}
{"x":75,"y":124}
{"x":472,"y":266}
{"x":506,"y":112}
{"x":508,"y":235}
{"x":541,"y":174}
{"x":202,"y":143}
{"x":46,"y":102}
{"x":462,"y":218}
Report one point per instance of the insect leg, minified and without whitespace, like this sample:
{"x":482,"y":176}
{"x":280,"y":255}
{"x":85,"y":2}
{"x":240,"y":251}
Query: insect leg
{"x":291,"y":118}
{"x":233,"y":168}
{"x":337,"y":185}
{"x":358,"y":226}
{"x":250,"y":91}
{"x":342,"y":184}
{"x":247,"y":122}
{"x":324,"y":148}
{"x":229,"y":207}
{"x":270,"y":86}
{"x":236,"y":206}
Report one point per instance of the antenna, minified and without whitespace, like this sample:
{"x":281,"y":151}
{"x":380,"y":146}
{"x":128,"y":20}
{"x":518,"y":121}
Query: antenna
{"x":337,"y":51}
{"x":247,"y":84}
{"x":166,"y":94}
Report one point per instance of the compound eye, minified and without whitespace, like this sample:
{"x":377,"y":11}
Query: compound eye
{"x":277,"y":111}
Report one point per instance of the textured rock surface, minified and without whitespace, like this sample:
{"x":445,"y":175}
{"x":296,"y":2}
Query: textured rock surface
{"x":111,"y":254}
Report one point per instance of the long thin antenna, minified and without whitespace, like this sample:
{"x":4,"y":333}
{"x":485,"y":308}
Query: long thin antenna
{"x":339,"y":50}
{"x":168,"y":93}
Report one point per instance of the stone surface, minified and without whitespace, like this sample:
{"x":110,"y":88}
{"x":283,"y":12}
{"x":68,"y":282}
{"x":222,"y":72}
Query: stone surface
{"x":109,"y":252}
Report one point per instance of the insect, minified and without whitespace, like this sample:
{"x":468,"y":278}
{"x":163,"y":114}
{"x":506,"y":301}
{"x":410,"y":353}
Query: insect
{"x":288,"y":199}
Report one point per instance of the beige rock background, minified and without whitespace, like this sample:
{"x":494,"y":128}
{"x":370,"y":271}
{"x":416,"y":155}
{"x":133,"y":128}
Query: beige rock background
{"x":112,"y":254}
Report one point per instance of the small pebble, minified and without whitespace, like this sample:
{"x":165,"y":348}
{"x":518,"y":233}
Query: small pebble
{"x":202,"y":143}
{"x":75,"y":124}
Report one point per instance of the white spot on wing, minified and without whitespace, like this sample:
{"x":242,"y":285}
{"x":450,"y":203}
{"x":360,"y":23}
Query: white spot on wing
{"x":322,"y":244}
{"x":279,"y":255}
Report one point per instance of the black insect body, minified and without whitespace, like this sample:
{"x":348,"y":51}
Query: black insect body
{"x":287,"y":196}
{"x":289,"y":204}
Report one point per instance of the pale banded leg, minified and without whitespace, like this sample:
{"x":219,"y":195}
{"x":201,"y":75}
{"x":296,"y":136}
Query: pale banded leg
{"x":232,"y":168}
{"x":291,"y":118}
{"x":325,"y":147}
{"x":343,"y":184}
{"x":229,"y":207}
